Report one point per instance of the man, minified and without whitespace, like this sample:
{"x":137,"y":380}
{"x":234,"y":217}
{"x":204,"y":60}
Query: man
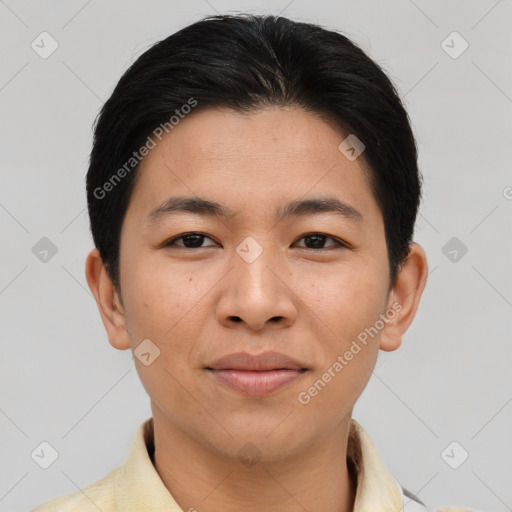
{"x":252,"y":190}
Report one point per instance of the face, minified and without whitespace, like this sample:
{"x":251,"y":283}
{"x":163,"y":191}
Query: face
{"x":201,"y":286}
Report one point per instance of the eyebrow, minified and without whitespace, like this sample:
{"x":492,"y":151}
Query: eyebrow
{"x":298,"y":208}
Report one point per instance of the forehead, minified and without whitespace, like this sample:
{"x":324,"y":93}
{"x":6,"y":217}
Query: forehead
{"x":252,"y":163}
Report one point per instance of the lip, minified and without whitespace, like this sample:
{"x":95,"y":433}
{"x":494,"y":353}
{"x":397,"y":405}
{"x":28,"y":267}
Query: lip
{"x":256,"y":362}
{"x":257,"y":383}
{"x":256,"y":375}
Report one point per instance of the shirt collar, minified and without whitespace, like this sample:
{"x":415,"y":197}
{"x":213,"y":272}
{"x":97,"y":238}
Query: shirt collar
{"x":139,"y":487}
{"x":377,"y":490}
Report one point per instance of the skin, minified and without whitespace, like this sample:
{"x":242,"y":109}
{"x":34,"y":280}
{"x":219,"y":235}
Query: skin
{"x":308,"y":302}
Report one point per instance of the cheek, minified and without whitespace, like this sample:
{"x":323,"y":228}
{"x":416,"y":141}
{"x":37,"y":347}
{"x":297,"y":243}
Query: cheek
{"x":346,"y":301}
{"x":160,"y":302}
{"x":347,"y":353}
{"x":347,"y":305}
{"x":163,"y":306}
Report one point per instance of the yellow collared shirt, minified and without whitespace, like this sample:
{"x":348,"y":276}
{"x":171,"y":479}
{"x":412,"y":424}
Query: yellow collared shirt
{"x":136,"y":486}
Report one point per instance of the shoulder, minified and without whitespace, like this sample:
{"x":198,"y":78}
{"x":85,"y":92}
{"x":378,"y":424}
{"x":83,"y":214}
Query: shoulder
{"x":100,"y":495}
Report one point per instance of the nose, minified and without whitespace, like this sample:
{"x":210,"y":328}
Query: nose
{"x":256,"y":295}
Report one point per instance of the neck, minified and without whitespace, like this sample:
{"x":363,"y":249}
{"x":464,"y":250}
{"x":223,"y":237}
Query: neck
{"x":202,"y":478}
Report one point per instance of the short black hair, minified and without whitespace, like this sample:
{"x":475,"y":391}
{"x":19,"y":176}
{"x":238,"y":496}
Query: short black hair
{"x":245,"y":62}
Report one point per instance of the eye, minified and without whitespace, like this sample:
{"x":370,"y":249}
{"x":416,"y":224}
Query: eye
{"x":190,"y":241}
{"x":317,"y":240}
{"x":194,"y":240}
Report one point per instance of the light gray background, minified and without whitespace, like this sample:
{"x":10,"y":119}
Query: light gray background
{"x":63,"y":383}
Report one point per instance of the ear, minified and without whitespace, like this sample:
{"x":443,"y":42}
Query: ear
{"x":404,"y":297}
{"x":108,"y":301}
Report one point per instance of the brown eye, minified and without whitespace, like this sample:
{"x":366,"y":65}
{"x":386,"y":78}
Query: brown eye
{"x":190,"y":241}
{"x":317,"y":241}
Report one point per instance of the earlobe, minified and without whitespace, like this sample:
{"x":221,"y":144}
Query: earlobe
{"x":406,"y":294}
{"x":107,"y":299}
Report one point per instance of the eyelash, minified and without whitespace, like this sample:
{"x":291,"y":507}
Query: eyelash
{"x":339,"y":243}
